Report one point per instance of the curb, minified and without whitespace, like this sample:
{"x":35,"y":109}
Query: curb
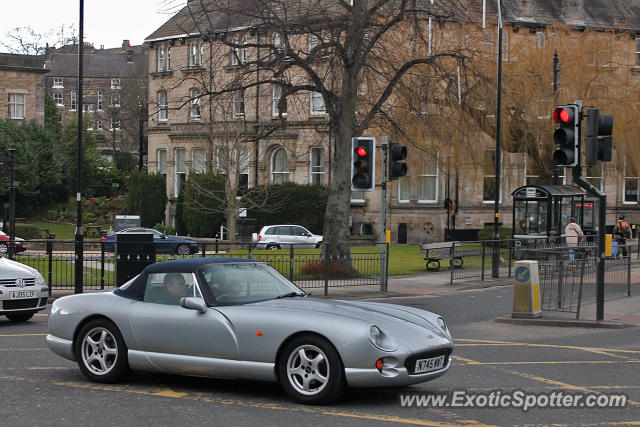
{"x":568,"y":323}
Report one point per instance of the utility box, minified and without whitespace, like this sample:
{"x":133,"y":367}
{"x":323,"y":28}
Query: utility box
{"x":134,"y":251}
{"x":526,"y":290}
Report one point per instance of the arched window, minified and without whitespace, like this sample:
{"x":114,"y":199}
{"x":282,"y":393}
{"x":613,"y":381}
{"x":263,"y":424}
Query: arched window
{"x":162,"y":106}
{"x":168,"y":58}
{"x":193,"y":55}
{"x":276,"y":41}
{"x":279,"y":167}
{"x":160,"y":59}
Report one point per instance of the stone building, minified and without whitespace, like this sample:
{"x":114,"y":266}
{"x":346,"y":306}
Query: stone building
{"x":188,"y":132}
{"x":114,"y":86}
{"x":22,"y":84}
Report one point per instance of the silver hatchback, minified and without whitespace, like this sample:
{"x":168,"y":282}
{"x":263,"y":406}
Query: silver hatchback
{"x":23,"y":291}
{"x":285,"y":236}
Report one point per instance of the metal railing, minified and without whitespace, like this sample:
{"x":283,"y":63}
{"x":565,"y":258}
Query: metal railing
{"x":308,"y":268}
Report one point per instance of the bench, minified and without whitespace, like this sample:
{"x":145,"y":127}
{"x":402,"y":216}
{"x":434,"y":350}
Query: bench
{"x":434,"y":252}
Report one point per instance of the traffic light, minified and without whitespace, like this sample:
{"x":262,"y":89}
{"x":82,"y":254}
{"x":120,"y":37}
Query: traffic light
{"x":598,"y":148}
{"x":397,"y":168}
{"x":363,"y":164}
{"x":567,"y":135}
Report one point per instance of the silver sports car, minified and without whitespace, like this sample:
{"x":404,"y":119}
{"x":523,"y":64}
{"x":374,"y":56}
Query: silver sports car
{"x":238,"y":318}
{"x":23,"y":291}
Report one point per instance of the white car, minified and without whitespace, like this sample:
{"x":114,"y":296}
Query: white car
{"x":283,"y":236}
{"x":23,"y":291}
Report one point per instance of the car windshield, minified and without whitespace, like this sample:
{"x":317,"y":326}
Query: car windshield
{"x":244,"y":283}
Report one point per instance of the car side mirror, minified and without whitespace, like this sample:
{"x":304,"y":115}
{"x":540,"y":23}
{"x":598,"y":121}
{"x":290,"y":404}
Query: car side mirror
{"x":191,"y":303}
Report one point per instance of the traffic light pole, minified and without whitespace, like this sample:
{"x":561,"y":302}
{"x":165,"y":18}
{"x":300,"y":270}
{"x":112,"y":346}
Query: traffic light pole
{"x":383,"y":210}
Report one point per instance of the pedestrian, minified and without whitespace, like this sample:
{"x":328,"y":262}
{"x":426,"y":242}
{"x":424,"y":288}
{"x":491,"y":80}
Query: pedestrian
{"x":621,"y":232}
{"x":574,"y":234}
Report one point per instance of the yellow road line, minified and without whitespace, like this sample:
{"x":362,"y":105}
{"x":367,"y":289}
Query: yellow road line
{"x":555,"y":383}
{"x":274,"y":406}
{"x":524,"y":344}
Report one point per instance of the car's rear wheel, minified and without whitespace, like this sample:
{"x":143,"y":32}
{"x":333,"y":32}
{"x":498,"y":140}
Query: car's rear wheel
{"x":20,"y":317}
{"x":101,"y":352}
{"x":310,"y":370}
{"x":4,"y":248}
{"x":273,"y":246}
{"x":183,"y":249}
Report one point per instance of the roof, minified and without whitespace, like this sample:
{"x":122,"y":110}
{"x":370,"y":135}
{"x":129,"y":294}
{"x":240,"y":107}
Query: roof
{"x":107,"y":63}
{"x":12,"y":61}
{"x":549,"y":190}
{"x":599,"y":14}
{"x":186,"y":265}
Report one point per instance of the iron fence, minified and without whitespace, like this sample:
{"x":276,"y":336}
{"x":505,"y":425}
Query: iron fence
{"x":322,"y":267}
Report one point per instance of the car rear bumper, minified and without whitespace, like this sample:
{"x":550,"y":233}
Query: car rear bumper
{"x":60,"y":346}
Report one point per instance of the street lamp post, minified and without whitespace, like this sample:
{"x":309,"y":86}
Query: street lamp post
{"x":142,"y":119}
{"x":79,"y":255}
{"x":12,"y":202}
{"x":495,"y":264}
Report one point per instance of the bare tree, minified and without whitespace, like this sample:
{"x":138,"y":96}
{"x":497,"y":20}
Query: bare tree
{"x":28,"y":41}
{"x":343,"y":54}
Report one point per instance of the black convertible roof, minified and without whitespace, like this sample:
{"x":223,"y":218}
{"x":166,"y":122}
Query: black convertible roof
{"x":186,"y":265}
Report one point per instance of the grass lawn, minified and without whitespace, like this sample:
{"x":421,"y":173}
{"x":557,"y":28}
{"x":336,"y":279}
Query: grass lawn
{"x":62,"y":231}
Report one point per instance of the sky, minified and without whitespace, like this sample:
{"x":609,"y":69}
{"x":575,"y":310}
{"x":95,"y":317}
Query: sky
{"x":106,"y":22}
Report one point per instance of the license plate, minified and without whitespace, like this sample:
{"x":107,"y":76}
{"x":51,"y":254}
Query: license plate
{"x":428,"y":365}
{"x":22,"y":294}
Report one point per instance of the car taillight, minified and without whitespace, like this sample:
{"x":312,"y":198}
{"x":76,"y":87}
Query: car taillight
{"x":104,"y":238}
{"x":259,"y":237}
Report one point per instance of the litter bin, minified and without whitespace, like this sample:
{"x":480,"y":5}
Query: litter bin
{"x":134,"y":251}
{"x":614,"y":249}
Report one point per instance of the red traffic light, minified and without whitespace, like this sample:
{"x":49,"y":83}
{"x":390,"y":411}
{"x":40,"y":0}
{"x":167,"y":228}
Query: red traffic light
{"x":563,"y":115}
{"x":361,"y":151}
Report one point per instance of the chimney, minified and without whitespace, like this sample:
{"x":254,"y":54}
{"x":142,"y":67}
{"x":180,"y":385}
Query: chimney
{"x":125,"y":45}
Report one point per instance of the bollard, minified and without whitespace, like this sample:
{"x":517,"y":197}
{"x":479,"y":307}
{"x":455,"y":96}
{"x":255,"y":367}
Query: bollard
{"x":608,"y":246}
{"x":526,"y":290}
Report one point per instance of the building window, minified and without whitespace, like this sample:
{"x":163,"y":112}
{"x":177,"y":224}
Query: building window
{"x":199,"y":160}
{"x":160,"y":59}
{"x":168,"y":68}
{"x":279,"y":167}
{"x":115,"y":83}
{"x":16,"y":105}
{"x":115,"y":124}
{"x":181,"y":169}
{"x":594,"y":176}
{"x":540,"y":39}
{"x":239,"y":54}
{"x":238,"y":103}
{"x":73,"y":105}
{"x":201,"y":54}
{"x":317,"y":104}
{"x":194,"y":112}
{"x":404,"y":190}
{"x":489,"y":178}
{"x":58,"y":98}
{"x":88,"y":108}
{"x":276,"y":94}
{"x":162,"y":106}
{"x":193,"y":55}
{"x":115,"y":99}
{"x":99,"y":125}
{"x":100,"y":100}
{"x":58,"y":82}
{"x":428,"y":178}
{"x":243,"y":51}
{"x":222,"y":160}
{"x":276,"y":41}
{"x":317,"y":166}
{"x":638,"y":51}
{"x":235,"y":58}
{"x":630,"y":184}
{"x":243,"y":170}
{"x":162,"y":162}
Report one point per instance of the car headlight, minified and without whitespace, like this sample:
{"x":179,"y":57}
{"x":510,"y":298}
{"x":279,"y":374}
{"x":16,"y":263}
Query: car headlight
{"x":40,"y":279}
{"x":441,"y":323}
{"x":380,"y":340}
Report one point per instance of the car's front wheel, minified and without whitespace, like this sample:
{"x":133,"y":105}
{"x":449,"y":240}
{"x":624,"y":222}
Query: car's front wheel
{"x":101,"y":352}
{"x":20,"y":317}
{"x":4,"y":248}
{"x":310,"y":370}
{"x":273,"y":246}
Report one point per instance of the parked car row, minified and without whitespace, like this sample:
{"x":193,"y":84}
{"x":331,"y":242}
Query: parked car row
{"x":20,"y":244}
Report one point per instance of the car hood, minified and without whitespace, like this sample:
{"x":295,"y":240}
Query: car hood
{"x":12,"y":269}
{"x":385,"y":316}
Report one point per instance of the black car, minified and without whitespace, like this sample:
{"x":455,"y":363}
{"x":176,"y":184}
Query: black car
{"x":164,"y":244}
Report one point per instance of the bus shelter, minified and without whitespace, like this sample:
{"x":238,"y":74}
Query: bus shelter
{"x":543,"y":211}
